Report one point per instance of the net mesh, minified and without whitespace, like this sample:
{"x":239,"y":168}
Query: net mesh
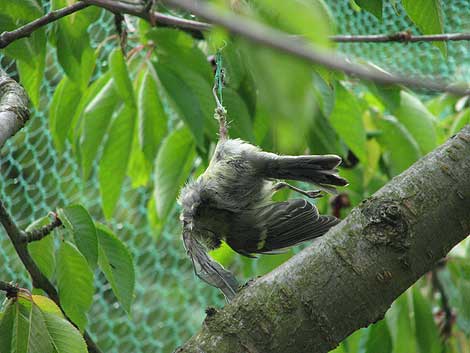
{"x":169,"y":301}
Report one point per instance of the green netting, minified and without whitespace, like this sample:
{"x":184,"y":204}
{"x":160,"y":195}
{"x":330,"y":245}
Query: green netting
{"x":169,"y":303}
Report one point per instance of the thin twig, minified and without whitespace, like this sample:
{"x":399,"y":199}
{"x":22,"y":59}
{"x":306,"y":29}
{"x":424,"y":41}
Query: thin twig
{"x":405,"y":37}
{"x":121,"y":30}
{"x":38,"y":234}
{"x":7,"y":38}
{"x":194,"y":27}
{"x":10,"y":289}
{"x":276,"y":39}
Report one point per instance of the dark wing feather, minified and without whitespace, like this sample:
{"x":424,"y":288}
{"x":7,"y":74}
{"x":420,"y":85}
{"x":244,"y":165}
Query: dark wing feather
{"x":207,"y":269}
{"x":278,"y":226}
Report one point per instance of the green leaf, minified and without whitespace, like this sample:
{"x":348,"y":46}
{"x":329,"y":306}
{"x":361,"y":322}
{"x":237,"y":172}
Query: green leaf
{"x":153,"y":219}
{"x":26,"y":10}
{"x":74,"y":51}
{"x":373,"y":159}
{"x":324,"y":94}
{"x":77,"y":219}
{"x":20,"y":49}
{"x":285,"y":93}
{"x":389,"y":95}
{"x":173,"y":165}
{"x":96,"y":118}
{"x":42,"y":251}
{"x":224,"y":254}
{"x":268,"y":263}
{"x":47,"y":305}
{"x":462,"y":119}
{"x":401,"y":328}
{"x":116,"y":262}
{"x":75,"y":284}
{"x":81,"y":20}
{"x":32,"y":71}
{"x":78,"y":66}
{"x":376,"y":339}
{"x":354,"y":340}
{"x":6,"y":326}
{"x":427,"y":16}
{"x":372,"y":6}
{"x":203,"y":94}
{"x":311,"y":19}
{"x":402,"y":149}
{"x":78,"y":117}
{"x":21,"y":329}
{"x":454,"y":279}
{"x":39,"y":340}
{"x":66,"y":98}
{"x":64,"y":336}
{"x":463,"y":305}
{"x":234,"y":68}
{"x":152,"y":118}
{"x":427,"y":334}
{"x":139,"y":169}
{"x":261,"y":129}
{"x":121,"y":78}
{"x":418,"y":121}
{"x":30,"y":51}
{"x":238,"y":115}
{"x":442,"y":105}
{"x":185,"y":99}
{"x":346,"y":118}
{"x":176,"y":48}
{"x":113,"y":164}
{"x":323,"y":139}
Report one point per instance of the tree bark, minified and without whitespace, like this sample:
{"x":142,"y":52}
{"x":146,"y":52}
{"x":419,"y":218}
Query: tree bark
{"x":14,"y":102}
{"x":348,"y":278}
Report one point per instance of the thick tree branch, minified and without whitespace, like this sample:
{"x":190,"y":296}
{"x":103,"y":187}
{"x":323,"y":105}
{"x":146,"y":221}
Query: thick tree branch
{"x":348,"y":278}
{"x":7,"y":38}
{"x":280,"y":41}
{"x":14,"y":113}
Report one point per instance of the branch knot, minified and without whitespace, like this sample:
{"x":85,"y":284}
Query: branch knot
{"x":387,"y":224}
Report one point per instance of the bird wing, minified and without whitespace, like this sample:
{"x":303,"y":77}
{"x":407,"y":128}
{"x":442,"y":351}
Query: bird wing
{"x":277,"y":226}
{"x":207,"y":269}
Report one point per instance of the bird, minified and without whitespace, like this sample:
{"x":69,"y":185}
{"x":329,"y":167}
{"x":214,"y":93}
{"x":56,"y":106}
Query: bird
{"x":232,"y":202}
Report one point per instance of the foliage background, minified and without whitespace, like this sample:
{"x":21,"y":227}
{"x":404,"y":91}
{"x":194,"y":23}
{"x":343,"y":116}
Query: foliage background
{"x":37,"y":176}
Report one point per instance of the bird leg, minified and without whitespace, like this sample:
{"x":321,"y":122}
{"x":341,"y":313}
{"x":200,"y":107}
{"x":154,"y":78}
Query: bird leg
{"x":220,"y":115}
{"x":313,"y":194}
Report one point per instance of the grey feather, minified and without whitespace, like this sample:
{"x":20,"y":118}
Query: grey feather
{"x":232,"y":202}
{"x":207,"y":269}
